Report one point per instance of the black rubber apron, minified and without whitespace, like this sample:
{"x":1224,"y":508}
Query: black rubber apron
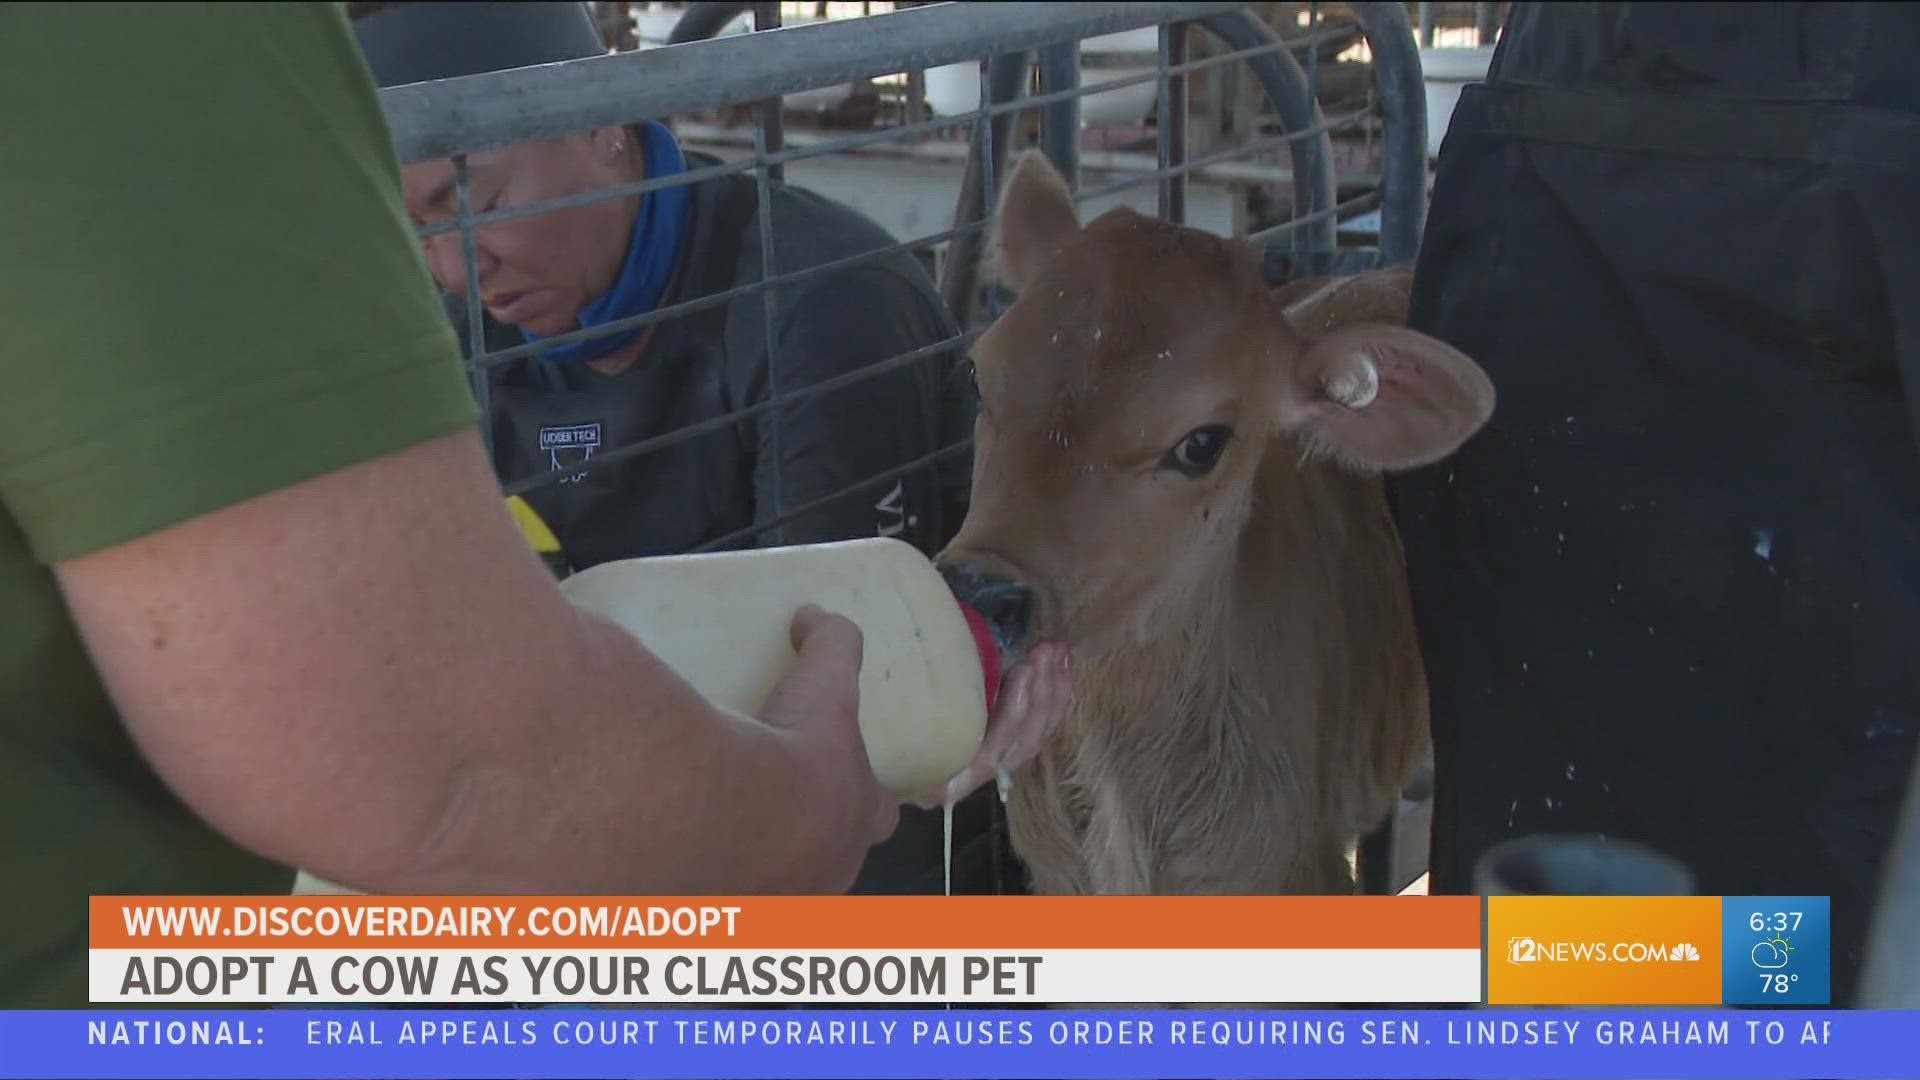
{"x":1672,"y":592}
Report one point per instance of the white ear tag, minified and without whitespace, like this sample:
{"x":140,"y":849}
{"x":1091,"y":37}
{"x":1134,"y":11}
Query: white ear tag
{"x":1355,"y":387}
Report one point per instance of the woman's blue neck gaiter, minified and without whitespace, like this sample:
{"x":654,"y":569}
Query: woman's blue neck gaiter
{"x":652,"y":252}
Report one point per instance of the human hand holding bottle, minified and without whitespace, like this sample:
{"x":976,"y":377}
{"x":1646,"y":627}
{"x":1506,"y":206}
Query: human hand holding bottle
{"x":817,"y":702}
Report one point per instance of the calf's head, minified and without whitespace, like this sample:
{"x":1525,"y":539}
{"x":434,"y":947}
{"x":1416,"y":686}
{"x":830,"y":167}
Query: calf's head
{"x":1132,"y":392}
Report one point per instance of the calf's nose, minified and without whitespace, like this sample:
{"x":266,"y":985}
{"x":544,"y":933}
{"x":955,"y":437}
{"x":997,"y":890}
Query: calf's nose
{"x":1007,"y":605}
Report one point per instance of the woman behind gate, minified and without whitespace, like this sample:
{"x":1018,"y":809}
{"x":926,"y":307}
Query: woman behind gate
{"x":806,"y":475}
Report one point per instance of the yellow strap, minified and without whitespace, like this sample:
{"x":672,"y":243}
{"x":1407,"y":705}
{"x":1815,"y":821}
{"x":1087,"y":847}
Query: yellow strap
{"x":531,"y":527}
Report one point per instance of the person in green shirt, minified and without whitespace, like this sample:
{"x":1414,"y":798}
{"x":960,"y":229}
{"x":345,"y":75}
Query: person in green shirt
{"x":261,"y":605}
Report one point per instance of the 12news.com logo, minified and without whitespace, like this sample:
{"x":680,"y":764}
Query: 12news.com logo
{"x":1526,"y":950}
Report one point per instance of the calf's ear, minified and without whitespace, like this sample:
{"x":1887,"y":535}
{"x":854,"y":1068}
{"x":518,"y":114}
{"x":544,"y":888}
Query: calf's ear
{"x":1381,"y":398}
{"x":1297,"y":291}
{"x":1316,"y":306}
{"x":1036,"y":218}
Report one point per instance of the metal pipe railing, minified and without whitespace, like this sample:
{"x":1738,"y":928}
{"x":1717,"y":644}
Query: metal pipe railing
{"x":1293,"y":99}
{"x":508,"y":106}
{"x":704,"y":20}
{"x":1060,"y":123}
{"x":475,"y":112}
{"x":965,"y":238}
{"x":1005,"y":75}
{"x":1403,"y":106}
{"x":822,"y":147}
{"x":1172,"y":130}
{"x":771,"y":119}
{"x":454,"y":117}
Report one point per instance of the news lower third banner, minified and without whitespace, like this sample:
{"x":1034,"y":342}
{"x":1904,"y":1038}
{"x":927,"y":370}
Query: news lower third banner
{"x":902,"y":987}
{"x":930,"y":950}
{"x":760,"y":951}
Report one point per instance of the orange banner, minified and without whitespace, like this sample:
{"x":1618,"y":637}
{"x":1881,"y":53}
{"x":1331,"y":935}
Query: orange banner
{"x":1603,"y":950}
{"x":226,"y":923}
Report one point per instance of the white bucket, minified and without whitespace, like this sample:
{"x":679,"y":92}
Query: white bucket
{"x":955,"y":88}
{"x":1445,"y":72}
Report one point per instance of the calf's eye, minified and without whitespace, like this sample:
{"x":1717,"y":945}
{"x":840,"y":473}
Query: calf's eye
{"x":1200,"y":451}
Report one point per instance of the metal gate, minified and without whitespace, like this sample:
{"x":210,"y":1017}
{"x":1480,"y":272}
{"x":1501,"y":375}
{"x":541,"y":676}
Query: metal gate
{"x":1009,"y":44}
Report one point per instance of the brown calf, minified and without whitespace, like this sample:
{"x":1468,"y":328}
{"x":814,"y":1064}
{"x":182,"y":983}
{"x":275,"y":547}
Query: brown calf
{"x":1177,"y":474}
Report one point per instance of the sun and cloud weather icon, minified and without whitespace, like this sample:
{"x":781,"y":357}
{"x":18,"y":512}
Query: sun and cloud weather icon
{"x":1771,"y":954}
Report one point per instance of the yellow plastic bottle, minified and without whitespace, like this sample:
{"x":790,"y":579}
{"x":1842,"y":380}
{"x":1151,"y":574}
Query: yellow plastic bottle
{"x":928,"y":672}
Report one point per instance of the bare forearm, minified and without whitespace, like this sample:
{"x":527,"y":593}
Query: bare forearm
{"x":400,"y":699}
{"x":628,"y":782}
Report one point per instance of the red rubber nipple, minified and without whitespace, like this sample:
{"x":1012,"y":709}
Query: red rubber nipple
{"x":989,"y":652}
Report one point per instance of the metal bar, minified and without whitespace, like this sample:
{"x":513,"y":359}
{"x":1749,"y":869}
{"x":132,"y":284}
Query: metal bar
{"x":1403,"y":105}
{"x":1426,"y":24}
{"x":1313,"y":95}
{"x":886,"y":136}
{"x":1286,"y":85}
{"x":916,"y":97}
{"x":1003,"y":84}
{"x":1361,"y":202}
{"x":1890,"y":978}
{"x":772,"y":110}
{"x":1172,"y":132}
{"x":1486,"y":21}
{"x":1060,"y":123}
{"x":476,"y":331}
{"x":471,"y":112}
{"x":1002,"y":78}
{"x":963,"y":256}
{"x":714,"y":423}
{"x":1313,"y":56}
{"x":763,"y":189}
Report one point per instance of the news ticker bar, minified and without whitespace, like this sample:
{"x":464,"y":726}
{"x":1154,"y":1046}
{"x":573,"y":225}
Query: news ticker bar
{"x":560,"y":1044}
{"x":900,"y":951}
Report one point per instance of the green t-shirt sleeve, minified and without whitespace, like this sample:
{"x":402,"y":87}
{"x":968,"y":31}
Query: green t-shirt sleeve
{"x":209,"y":287}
